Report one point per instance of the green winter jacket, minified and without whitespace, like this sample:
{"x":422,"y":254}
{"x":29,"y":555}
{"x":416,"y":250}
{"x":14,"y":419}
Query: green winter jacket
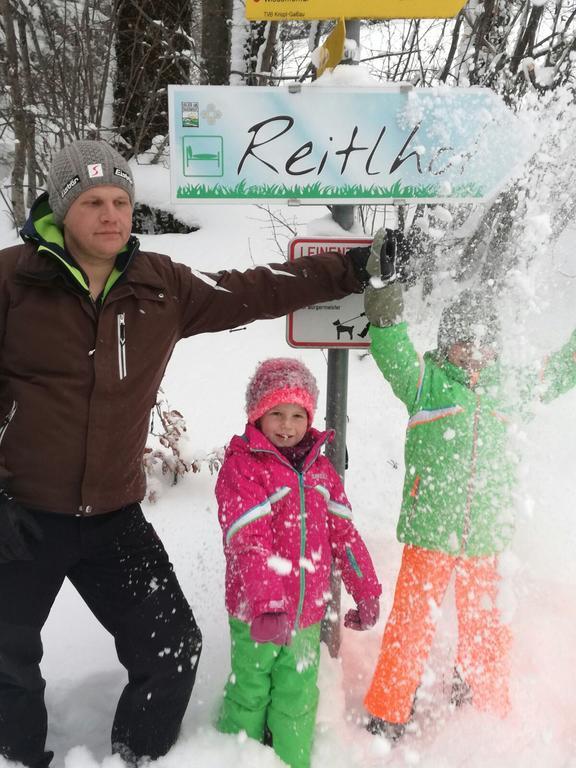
{"x":460,"y":470}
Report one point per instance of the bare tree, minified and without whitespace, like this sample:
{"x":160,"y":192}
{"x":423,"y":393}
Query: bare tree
{"x":57,"y":66}
{"x":55,"y":62}
{"x":154,"y":48}
{"x":260,"y":54}
{"x":254,"y":49}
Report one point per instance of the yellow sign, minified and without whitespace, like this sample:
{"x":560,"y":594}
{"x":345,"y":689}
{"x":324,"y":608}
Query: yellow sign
{"x":294,"y":10}
{"x":332,"y":49}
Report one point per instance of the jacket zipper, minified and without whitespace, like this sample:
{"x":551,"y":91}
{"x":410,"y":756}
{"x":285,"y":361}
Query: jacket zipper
{"x":121,"y":328}
{"x":7,"y":419}
{"x":302,"y":551}
{"x":472,"y":478}
{"x":302,"y":570}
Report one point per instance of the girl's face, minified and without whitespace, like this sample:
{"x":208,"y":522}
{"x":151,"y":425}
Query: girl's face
{"x":285,"y":424}
{"x":470,"y":357}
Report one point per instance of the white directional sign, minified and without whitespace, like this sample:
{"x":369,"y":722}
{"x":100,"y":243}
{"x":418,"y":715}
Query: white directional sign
{"x":334,"y":324}
{"x":337,"y":145}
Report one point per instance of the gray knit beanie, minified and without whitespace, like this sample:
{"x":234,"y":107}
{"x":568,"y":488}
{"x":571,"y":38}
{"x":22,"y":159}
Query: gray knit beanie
{"x":81,"y":166}
{"x":471,"y":317}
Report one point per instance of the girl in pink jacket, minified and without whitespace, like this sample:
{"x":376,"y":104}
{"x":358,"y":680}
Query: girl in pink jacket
{"x":284,"y":518}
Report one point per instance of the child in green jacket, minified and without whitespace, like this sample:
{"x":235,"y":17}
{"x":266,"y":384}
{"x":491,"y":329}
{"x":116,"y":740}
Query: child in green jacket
{"x":457,"y":508}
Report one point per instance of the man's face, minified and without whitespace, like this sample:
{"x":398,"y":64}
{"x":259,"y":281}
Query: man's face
{"x":470,"y":356}
{"x":98,"y":224}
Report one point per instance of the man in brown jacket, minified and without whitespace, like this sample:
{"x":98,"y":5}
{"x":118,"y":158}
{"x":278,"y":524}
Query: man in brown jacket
{"x":88,"y":323}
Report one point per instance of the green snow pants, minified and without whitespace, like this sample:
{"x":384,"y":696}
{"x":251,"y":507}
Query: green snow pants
{"x":273,"y":687}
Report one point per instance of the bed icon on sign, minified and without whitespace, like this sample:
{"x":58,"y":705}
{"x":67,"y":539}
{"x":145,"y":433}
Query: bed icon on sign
{"x":203,"y":155}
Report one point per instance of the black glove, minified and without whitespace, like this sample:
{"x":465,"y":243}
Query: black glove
{"x":388,"y":257}
{"x":385,"y":261}
{"x":360,"y":258}
{"x":17,"y":527}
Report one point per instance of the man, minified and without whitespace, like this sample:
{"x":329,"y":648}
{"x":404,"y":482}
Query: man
{"x":88,"y":323}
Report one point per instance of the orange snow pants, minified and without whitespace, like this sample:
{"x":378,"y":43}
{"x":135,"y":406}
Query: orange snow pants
{"x":483,"y":641}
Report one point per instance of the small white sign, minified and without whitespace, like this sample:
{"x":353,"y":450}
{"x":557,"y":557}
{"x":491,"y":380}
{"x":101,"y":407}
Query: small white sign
{"x":338,"y":324}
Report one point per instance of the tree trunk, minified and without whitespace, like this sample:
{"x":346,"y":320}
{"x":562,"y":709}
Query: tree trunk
{"x":216,"y":17}
{"x":260,"y":52}
{"x":29,"y":117}
{"x":18,"y":115}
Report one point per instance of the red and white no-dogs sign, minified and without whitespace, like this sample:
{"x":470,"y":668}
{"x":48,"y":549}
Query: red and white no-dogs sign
{"x":334,"y":324}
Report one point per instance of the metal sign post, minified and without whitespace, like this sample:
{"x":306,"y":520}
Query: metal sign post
{"x":336,"y":414}
{"x":336,"y":417}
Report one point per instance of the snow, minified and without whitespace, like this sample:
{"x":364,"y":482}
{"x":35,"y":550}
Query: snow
{"x":83,"y":676}
{"x":279,"y":565}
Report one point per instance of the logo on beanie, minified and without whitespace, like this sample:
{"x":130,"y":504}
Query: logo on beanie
{"x":69,"y":185}
{"x":122,"y":174}
{"x":95,"y":171}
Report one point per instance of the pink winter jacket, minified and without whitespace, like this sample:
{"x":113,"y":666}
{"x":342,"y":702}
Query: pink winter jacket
{"x":281,"y":529}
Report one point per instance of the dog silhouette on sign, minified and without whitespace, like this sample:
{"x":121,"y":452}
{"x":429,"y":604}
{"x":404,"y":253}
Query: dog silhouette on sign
{"x":340,"y":329}
{"x":349,"y":329}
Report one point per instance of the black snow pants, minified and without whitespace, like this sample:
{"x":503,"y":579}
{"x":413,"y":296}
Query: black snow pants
{"x":120,"y":568}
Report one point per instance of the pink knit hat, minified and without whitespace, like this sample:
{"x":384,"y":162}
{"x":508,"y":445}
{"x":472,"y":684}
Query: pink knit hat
{"x":281,"y":380}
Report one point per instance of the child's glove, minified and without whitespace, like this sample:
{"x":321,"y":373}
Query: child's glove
{"x":389,"y":257}
{"x":17,"y":528}
{"x":382,"y":262}
{"x":364,"y":616}
{"x":384,"y":306}
{"x":383,"y":302}
{"x":271,"y":628}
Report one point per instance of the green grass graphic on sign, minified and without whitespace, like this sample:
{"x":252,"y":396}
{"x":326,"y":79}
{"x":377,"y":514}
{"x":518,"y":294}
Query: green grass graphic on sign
{"x":243,"y":191}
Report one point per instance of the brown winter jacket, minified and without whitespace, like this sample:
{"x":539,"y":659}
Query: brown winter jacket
{"x":78,"y":379}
